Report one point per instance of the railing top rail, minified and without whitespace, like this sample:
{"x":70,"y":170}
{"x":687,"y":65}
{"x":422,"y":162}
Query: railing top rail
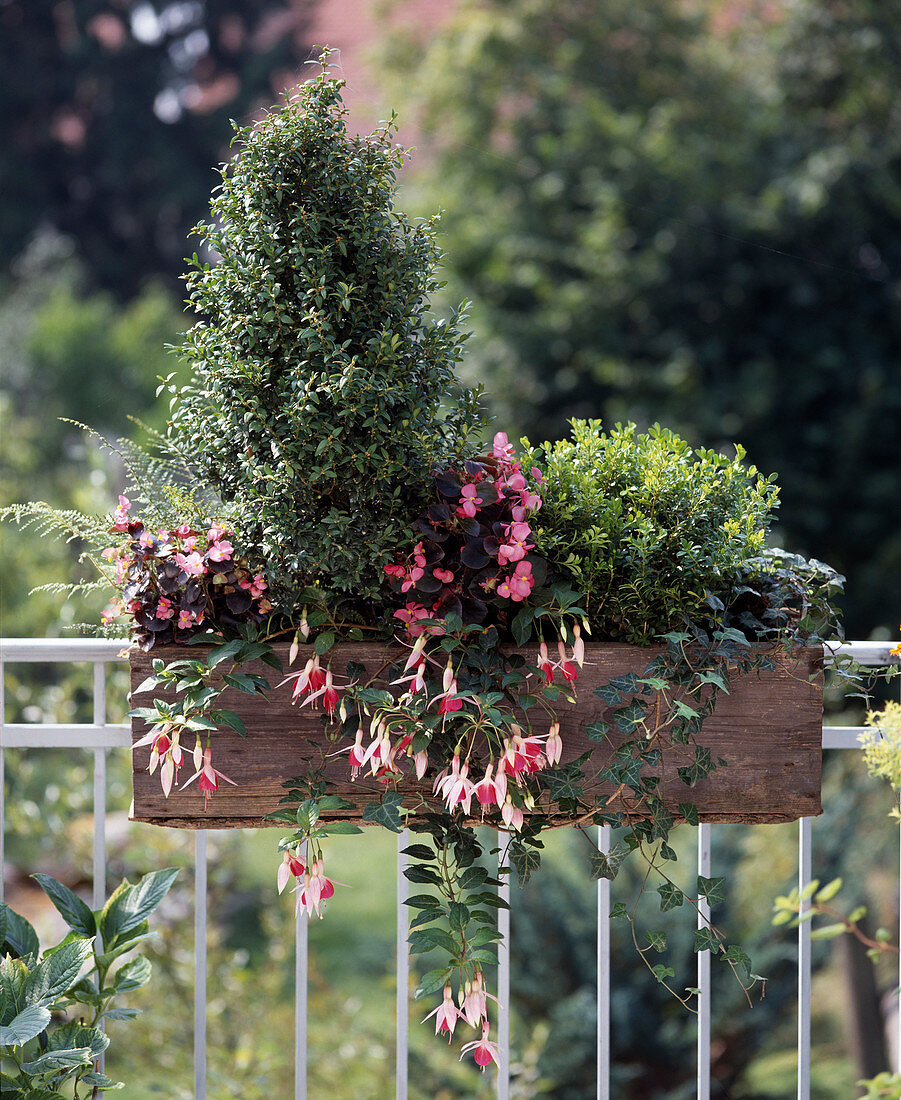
{"x":20,"y":650}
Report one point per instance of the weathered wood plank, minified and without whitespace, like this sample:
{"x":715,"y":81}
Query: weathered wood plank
{"x":768,"y":730}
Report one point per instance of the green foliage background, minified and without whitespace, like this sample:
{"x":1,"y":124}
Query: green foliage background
{"x":687,"y":214}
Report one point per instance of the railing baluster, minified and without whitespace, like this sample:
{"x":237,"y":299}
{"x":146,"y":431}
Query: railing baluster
{"x":603,"y":976}
{"x":99,"y":869}
{"x":301,"y":955}
{"x":503,"y":978}
{"x":704,"y":1005}
{"x":402,"y":1041}
{"x":2,"y":776}
{"x":804,"y":876}
{"x":200,"y":929}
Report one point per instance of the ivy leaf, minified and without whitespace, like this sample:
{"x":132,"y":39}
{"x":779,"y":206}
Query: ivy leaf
{"x":656,"y":940}
{"x":627,"y":719}
{"x":711,"y":888}
{"x":597,"y":731}
{"x":387,"y":812}
{"x":702,"y":766}
{"x":525,"y":860}
{"x":689,"y":811}
{"x":609,"y":694}
{"x":606,"y":865}
{"x":705,"y":940}
{"x":671,"y":897}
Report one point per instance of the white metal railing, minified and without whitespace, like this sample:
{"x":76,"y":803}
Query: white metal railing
{"x":99,"y":737}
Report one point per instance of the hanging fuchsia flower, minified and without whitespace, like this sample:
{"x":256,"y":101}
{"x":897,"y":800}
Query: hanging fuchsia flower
{"x":568,"y":669}
{"x":208,"y":777}
{"x":578,"y":646}
{"x":553,"y":747}
{"x":512,"y":816}
{"x":491,"y":792}
{"x":165,"y":748}
{"x":544,"y":663}
{"x":446,"y":1014}
{"x":317,"y":889}
{"x":289,"y":866}
{"x":483,"y":1050}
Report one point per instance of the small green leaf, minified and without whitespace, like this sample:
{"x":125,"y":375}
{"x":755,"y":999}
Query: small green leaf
{"x":432,"y":981}
{"x":27,"y":1025}
{"x":73,"y":910}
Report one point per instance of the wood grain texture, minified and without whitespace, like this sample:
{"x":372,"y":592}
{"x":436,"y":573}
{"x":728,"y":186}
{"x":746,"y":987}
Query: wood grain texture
{"x":769,"y":731}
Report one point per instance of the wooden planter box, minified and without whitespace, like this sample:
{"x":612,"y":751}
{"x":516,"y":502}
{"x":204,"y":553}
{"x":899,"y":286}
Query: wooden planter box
{"x":769,"y":731}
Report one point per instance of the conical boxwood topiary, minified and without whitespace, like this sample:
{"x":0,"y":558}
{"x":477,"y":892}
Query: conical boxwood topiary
{"x":323,"y":391}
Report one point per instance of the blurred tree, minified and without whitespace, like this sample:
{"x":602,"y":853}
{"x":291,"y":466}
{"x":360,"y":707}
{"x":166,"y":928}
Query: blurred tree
{"x":114,"y":113}
{"x":660,"y":217}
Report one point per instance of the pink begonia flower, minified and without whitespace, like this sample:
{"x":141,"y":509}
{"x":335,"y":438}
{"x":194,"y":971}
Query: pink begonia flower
{"x":112,"y":610}
{"x":518,"y":586}
{"x":471,"y":499}
{"x":483,"y":1050}
{"x":185,"y":619}
{"x":146,"y":538}
{"x":395,"y":570}
{"x":208,"y":777}
{"x":443,"y":575}
{"x":191,"y":563}
{"x":553,"y":747}
{"x":446,"y":1014}
{"x":220,"y":551}
{"x":120,"y":519}
{"x":111,"y":553}
{"x":516,"y":546}
{"x":184,"y":531}
{"x":502,"y":447}
{"x":164,"y":609}
{"x":411,"y":614}
{"x":415,"y":574}
{"x":216,"y":532}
